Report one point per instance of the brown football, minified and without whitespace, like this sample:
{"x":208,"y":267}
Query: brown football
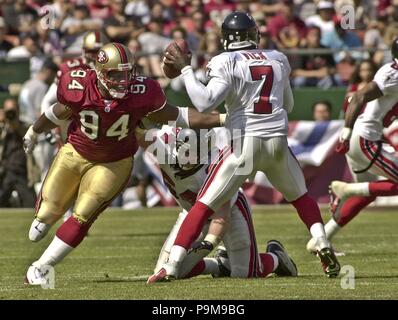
{"x":168,"y":69}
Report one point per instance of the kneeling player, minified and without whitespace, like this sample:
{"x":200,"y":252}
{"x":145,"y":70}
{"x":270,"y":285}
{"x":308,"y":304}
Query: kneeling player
{"x":232,"y":223}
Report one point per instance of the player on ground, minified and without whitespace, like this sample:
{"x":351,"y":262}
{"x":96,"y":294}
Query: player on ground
{"x":255,"y":87}
{"x":368,"y":155}
{"x":92,"y":168}
{"x":184,"y":173}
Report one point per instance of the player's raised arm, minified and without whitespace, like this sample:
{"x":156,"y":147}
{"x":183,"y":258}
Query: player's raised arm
{"x":50,"y":119}
{"x":187,"y":117}
{"x":204,"y":98}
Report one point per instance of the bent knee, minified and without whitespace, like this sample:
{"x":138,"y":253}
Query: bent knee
{"x":38,"y":230}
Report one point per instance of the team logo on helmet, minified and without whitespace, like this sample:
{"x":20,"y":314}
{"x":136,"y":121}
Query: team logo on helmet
{"x":102,"y":57}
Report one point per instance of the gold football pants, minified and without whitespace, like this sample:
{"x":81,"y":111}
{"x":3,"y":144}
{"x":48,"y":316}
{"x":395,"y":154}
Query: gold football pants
{"x":91,"y":185}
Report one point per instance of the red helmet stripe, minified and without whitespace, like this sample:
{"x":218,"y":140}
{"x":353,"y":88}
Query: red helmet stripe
{"x":97,"y":37}
{"x":122,"y":53}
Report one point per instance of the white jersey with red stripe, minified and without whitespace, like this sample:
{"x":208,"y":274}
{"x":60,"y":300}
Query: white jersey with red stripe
{"x":257,"y":79}
{"x":370,"y":123}
{"x":183,"y":187}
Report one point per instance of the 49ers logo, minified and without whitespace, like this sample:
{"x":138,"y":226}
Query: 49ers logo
{"x":102,"y":57}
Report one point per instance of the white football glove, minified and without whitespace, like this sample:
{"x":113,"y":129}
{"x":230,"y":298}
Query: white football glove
{"x":29,"y":140}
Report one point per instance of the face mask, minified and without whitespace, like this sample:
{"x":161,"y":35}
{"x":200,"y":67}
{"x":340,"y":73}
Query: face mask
{"x":117,"y":95}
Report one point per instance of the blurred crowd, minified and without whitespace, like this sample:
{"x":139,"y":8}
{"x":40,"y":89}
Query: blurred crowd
{"x":328,"y":43}
{"x":326,"y":31}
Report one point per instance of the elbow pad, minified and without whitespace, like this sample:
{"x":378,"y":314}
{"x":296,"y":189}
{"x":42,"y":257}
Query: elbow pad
{"x":49,"y":113}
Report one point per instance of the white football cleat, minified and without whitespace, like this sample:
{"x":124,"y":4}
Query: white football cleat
{"x":168,"y":272}
{"x":38,"y":230}
{"x":35,"y":275}
{"x":311,"y":248}
{"x":339,"y":193}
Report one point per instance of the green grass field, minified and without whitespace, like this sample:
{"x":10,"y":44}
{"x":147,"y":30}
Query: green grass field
{"x":121,"y":250}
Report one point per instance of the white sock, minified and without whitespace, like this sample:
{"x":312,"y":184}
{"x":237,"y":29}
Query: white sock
{"x":331,"y":228}
{"x":276,"y":260}
{"x":68,"y":214}
{"x":177,"y":254}
{"x":211,"y":266}
{"x":358,"y":189}
{"x":56,"y":251}
{"x":317,"y":230}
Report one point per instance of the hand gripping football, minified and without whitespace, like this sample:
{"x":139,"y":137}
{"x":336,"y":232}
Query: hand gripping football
{"x":169,"y":69}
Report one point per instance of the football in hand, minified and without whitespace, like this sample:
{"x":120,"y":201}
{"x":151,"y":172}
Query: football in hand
{"x":169,"y":69}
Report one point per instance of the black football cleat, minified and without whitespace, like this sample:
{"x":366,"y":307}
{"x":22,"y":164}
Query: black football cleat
{"x":221,"y":256}
{"x":330,"y":264}
{"x":286,"y":266}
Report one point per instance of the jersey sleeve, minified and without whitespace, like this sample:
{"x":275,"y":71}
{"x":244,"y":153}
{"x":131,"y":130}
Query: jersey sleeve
{"x":70,"y":91}
{"x":283,"y":61}
{"x":386,"y":79}
{"x":217,"y":68}
{"x":63,"y":69}
{"x":156,"y":96}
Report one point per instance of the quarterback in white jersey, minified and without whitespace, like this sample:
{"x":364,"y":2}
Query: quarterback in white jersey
{"x":368,"y":154}
{"x":254,"y":85}
{"x":233,"y":223}
{"x":255,"y":78}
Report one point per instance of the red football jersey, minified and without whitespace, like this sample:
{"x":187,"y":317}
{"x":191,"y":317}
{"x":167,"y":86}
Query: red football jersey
{"x":69,"y":65}
{"x":103,"y":130}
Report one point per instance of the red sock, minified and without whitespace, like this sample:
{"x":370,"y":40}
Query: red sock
{"x":192,"y":225}
{"x":308,"y":210}
{"x":383,"y":188}
{"x":268,"y":264}
{"x":196,"y":270}
{"x":72,"y":232}
{"x":351,"y":208}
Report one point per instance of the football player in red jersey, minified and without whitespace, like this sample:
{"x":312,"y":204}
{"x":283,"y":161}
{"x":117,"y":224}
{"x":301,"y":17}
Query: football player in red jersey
{"x":92,"y":168}
{"x":92,"y":42}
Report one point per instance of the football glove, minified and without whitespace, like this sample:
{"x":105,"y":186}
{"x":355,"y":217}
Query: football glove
{"x":343,"y":146}
{"x":29,"y":140}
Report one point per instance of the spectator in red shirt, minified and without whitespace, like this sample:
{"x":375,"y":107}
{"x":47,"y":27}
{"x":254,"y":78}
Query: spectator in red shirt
{"x":285,"y":27}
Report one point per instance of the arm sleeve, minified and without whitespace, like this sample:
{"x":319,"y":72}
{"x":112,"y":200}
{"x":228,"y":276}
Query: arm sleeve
{"x":205,"y":98}
{"x":50,"y":98}
{"x":158,"y":99}
{"x":288,"y":101}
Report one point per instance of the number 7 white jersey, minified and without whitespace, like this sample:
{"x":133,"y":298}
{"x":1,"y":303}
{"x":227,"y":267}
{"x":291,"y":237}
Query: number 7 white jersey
{"x":256,"y":81}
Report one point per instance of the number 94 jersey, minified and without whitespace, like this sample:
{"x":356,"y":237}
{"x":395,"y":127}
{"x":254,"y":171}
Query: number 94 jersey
{"x":103,"y":130}
{"x":256,"y":81}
